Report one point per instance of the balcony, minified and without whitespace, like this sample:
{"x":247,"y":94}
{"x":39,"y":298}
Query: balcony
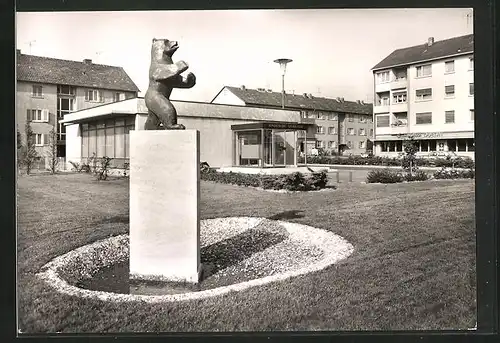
{"x":381,"y":109}
{"x":399,"y":107}
{"x":401,"y":82}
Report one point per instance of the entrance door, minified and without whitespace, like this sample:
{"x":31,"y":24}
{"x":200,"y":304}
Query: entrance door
{"x":284,"y":144}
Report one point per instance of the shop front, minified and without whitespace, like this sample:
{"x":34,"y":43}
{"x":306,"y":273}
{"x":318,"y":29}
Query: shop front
{"x":269,"y":144}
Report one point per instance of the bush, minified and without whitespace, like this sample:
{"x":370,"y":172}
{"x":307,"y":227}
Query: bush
{"x":460,"y":162}
{"x":291,"y":182}
{"x":418,"y":175}
{"x":384,"y":176}
{"x":448,"y":173}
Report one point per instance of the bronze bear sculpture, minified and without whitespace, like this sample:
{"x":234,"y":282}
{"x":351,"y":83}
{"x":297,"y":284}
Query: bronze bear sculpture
{"x":164,"y":75}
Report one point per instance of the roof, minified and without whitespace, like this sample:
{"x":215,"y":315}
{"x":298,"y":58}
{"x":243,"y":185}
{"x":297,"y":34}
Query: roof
{"x":423,"y":52}
{"x":273,"y":99}
{"x":63,"y":72}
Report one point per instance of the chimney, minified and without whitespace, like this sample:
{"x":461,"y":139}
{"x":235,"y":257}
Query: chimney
{"x":310,"y":96}
{"x":304,"y":95}
{"x":338,"y":99}
{"x":430,"y":41}
{"x":87,"y":61}
{"x":243,"y":87}
{"x":359,"y":102}
{"x":341,"y":99}
{"x":269,"y":90}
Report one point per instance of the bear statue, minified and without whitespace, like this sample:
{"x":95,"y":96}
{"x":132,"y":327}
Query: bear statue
{"x":164,"y":75}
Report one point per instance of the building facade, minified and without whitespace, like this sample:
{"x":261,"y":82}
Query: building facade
{"x":48,"y":89}
{"x":426,"y":92}
{"x":268,"y":141}
{"x":342,"y":127}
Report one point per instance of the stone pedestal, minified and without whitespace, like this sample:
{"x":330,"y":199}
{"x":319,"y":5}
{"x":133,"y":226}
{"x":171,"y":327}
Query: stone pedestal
{"x":164,"y":205}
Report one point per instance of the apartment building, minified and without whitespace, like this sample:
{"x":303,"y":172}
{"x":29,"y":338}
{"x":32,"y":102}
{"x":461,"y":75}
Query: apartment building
{"x":49,"y":88}
{"x":426,"y":92}
{"x":342,"y":127}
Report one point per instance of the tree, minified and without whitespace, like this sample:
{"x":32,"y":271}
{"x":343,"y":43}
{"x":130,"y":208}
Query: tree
{"x":410,"y":155}
{"x":30,"y":155}
{"x":52,"y":153}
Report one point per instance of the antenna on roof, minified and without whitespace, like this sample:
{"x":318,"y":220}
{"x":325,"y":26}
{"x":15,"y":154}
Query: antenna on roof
{"x":468,"y":18}
{"x":98,"y":53}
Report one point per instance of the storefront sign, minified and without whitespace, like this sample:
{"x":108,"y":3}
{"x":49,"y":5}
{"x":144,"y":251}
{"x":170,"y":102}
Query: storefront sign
{"x":420,"y":135}
{"x":292,"y":126}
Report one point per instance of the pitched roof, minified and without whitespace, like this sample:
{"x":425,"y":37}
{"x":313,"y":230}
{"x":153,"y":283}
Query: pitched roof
{"x":423,"y":52}
{"x":63,"y":72}
{"x":273,"y":99}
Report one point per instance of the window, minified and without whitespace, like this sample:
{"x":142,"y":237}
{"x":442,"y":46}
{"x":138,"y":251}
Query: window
{"x":398,"y":97}
{"x":471,"y":89}
{"x":312,"y":115}
{"x":424,"y":146}
{"x":362,"y":119}
{"x":39,"y":139}
{"x":350,"y":117}
{"x":449,"y":67}
{"x":423,"y":94}
{"x":36,"y":91}
{"x":371,"y":132}
{"x":322,"y":115}
{"x":471,"y":63}
{"x":425,"y":70}
{"x":383,"y":121}
{"x":383,"y":101}
{"x":362,"y":132}
{"x":320,"y":129}
{"x":452,"y":145}
{"x":332,"y":116}
{"x":362,"y":144}
{"x":94,"y":95}
{"x":423,"y":118}
{"x":38,"y":115}
{"x":350,"y":131}
{"x":110,"y":138}
{"x":462,"y":145}
{"x":320,"y":144}
{"x":118,"y":96}
{"x":349,"y":144}
{"x":383,"y":77}
{"x":331,"y":144}
{"x":449,"y":91}
{"x":303,"y":114}
{"x":432,"y":145}
{"x":470,"y":144}
{"x":65,"y":90}
{"x":449,"y":117}
{"x":441,"y":146}
{"x":471,"y":115}
{"x":332,"y":130}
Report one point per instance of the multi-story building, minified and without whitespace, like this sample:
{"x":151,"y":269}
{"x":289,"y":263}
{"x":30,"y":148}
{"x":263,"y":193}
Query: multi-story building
{"x":426,"y":92}
{"x":49,"y":88}
{"x":342,"y":127}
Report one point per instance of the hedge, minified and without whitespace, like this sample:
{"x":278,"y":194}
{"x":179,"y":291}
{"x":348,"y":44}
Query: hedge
{"x":461,"y":162}
{"x":291,"y":182}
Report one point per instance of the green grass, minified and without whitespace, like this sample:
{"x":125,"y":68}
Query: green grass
{"x":413,"y":265}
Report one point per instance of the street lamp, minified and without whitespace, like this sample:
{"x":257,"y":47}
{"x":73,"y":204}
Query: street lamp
{"x":283,"y":62}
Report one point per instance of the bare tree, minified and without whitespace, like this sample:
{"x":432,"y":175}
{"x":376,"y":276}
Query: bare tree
{"x":29,"y":155}
{"x":52,"y":153}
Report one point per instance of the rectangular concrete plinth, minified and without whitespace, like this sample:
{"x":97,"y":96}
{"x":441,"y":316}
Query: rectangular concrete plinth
{"x":164,"y":205}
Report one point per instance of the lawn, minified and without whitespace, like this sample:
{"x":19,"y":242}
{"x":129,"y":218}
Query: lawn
{"x":413,"y":266}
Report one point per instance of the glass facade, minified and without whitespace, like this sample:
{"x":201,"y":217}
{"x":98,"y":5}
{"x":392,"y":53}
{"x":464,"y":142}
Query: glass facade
{"x":109,"y":138}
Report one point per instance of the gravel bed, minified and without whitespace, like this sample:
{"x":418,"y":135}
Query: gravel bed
{"x":237,"y":253}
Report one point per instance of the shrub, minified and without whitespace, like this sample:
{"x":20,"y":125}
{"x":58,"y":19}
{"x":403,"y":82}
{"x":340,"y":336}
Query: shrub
{"x":418,"y":175}
{"x":101,"y":171}
{"x":448,"y":173}
{"x":384,"y":176}
{"x":291,"y":182}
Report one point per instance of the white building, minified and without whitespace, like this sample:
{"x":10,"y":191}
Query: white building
{"x":426,"y":92}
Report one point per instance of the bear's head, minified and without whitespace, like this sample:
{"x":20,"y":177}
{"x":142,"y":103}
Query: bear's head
{"x":164,"y":46}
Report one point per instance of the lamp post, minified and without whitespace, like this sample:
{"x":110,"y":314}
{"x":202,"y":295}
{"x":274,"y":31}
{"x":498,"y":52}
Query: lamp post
{"x":283,"y":62}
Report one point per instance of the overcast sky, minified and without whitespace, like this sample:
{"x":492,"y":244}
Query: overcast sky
{"x":332,"y":50}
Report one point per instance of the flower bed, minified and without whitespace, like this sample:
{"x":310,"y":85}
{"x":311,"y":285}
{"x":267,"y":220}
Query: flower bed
{"x":394,"y":176}
{"x":290,"y":182}
{"x":449,"y":173}
{"x":461,"y":162}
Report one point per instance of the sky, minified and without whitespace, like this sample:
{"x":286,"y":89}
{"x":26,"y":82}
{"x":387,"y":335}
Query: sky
{"x":333,"y":50}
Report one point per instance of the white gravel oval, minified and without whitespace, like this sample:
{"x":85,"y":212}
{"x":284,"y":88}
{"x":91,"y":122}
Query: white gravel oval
{"x":107,"y":252}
